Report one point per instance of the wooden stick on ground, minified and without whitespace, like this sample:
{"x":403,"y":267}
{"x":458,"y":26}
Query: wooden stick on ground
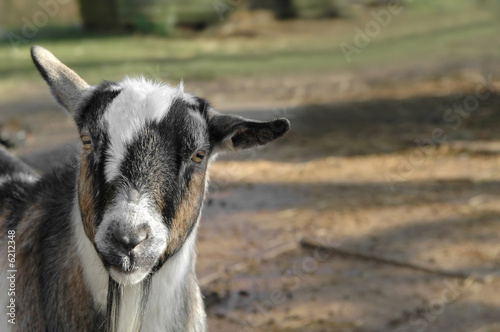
{"x":315,"y":244}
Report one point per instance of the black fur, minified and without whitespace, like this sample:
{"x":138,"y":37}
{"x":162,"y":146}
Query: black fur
{"x":14,"y":194}
{"x":89,"y":119}
{"x":158,"y":160}
{"x":93,"y":107}
{"x":245,"y":133}
{"x":56,"y":192}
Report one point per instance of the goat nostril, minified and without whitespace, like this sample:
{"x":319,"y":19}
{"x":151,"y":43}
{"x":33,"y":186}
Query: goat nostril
{"x":130,"y":240}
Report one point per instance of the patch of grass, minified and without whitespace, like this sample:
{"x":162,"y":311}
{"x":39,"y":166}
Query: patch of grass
{"x":413,"y":37}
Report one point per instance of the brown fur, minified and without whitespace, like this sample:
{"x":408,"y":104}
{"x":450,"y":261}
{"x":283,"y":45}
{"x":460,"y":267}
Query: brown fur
{"x":86,"y":197}
{"x":186,"y":214}
{"x":29,"y":297}
{"x":75,"y":291}
{"x":29,"y":311}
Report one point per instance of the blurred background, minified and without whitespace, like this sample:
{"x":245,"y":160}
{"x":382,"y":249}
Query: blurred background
{"x":379,"y":211}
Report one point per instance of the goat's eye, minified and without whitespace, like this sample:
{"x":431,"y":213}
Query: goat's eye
{"x":87,"y":141}
{"x":198,"y":156}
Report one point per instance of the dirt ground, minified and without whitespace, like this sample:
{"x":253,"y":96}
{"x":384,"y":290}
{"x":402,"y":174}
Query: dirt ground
{"x":378,"y":212}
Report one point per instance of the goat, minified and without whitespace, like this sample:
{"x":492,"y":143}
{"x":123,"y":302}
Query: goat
{"x":108,"y":243}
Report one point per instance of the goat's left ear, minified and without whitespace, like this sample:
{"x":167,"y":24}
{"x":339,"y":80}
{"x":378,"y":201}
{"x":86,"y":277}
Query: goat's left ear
{"x":66,"y":86}
{"x":231,"y":132}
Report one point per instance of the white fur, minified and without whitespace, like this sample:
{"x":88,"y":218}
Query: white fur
{"x":165,"y":293}
{"x":139,"y":102}
{"x":94,"y":273}
{"x":165,"y":290}
{"x":23,"y":177}
{"x":130,"y":214}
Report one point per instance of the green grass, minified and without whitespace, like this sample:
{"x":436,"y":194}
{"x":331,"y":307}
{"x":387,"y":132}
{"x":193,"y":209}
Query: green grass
{"x":417,"y":36}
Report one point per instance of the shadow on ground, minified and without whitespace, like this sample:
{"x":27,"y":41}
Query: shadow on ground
{"x":383,"y":126}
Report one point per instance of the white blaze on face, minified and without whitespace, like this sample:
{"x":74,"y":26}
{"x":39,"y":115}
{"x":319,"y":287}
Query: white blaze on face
{"x":140,"y":101}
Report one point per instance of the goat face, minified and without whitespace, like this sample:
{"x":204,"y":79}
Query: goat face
{"x":145,"y":158}
{"x":142,"y":174}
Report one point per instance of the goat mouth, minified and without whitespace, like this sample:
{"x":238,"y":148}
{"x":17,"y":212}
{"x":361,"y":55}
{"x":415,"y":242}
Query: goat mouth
{"x":124,"y":265}
{"x":121,"y":269}
{"x":127,"y":277}
{"x":121,"y":263}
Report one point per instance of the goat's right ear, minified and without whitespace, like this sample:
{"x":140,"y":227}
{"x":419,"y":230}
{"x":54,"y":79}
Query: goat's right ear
{"x":66,"y":86}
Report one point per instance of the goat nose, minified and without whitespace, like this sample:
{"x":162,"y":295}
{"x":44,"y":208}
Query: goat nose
{"x":130,"y":240}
